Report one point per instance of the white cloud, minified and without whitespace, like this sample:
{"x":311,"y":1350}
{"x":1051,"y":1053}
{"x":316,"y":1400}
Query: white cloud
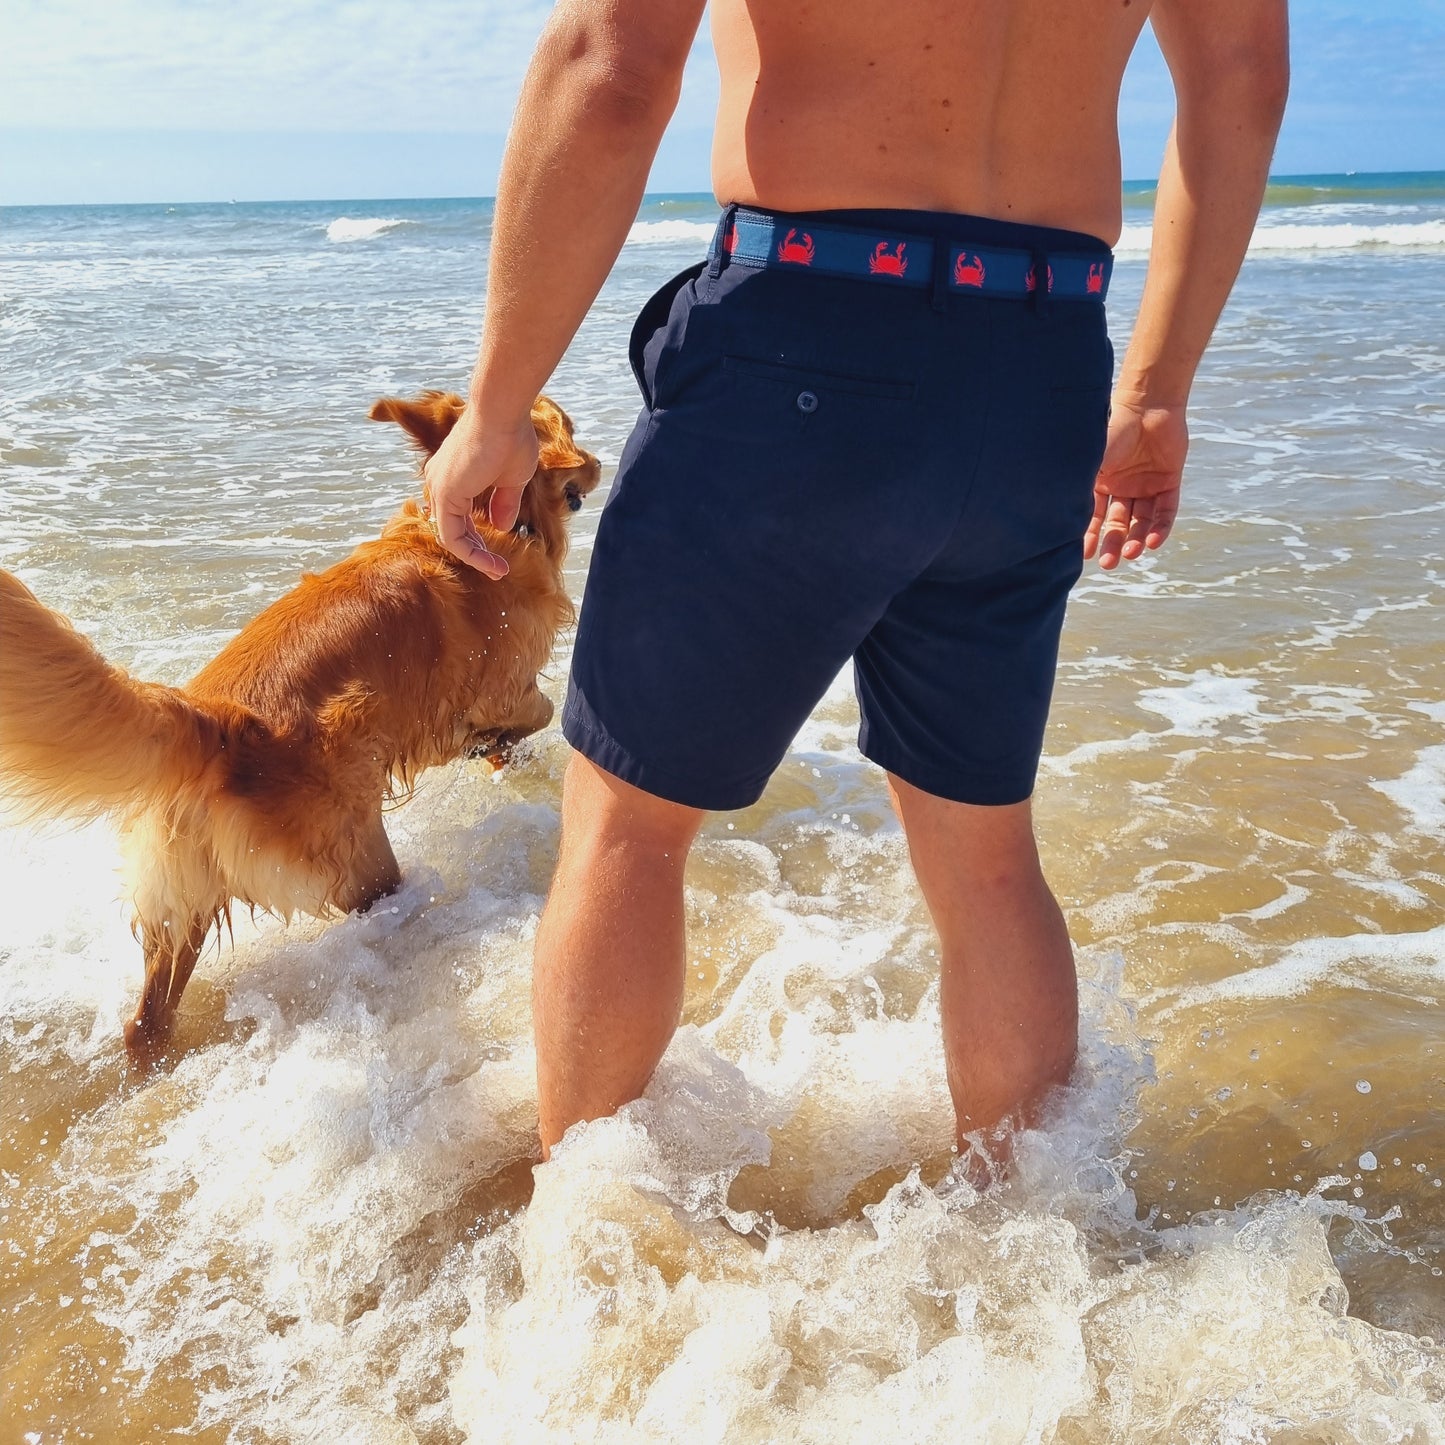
{"x":1366,"y":92}
{"x":327,"y":65}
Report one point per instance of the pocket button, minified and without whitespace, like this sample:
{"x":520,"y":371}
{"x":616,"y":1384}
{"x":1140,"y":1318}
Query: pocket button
{"x":807,"y":401}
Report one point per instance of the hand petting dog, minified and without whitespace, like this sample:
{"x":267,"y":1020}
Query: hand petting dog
{"x":479,"y":461}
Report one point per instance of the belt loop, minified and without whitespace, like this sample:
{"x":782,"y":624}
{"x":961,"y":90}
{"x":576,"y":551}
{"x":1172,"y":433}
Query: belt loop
{"x":724,"y":226}
{"x":1041,"y":275}
{"x":942,"y":252}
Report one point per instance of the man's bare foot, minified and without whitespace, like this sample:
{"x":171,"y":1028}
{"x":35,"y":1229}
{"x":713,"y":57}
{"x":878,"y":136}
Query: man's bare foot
{"x":985,"y":1156}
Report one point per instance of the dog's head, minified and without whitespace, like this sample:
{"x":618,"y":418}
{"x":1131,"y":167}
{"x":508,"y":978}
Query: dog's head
{"x":565,"y":473}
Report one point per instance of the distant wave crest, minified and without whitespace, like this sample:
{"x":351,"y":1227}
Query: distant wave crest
{"x":1284,"y":239}
{"x":644,"y":233}
{"x":348,"y":228}
{"x":1280,"y":239}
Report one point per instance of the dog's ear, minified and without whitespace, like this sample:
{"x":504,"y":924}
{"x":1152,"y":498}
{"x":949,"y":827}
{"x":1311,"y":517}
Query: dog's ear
{"x":427,"y":420}
{"x":554,"y":435}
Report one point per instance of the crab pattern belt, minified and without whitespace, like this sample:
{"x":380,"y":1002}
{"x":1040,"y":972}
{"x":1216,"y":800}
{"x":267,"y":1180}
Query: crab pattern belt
{"x":754,"y":238}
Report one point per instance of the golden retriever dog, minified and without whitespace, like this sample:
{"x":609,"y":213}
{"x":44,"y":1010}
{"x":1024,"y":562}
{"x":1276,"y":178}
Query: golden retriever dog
{"x":262,"y":780}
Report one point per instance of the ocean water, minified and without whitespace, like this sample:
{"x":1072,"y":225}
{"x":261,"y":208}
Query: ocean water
{"x":321,"y":1219}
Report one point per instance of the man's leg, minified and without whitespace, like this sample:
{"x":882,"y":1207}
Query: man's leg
{"x":1009,"y":993}
{"x":610,"y":957}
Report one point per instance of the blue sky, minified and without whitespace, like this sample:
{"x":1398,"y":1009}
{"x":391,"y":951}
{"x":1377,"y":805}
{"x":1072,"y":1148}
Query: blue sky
{"x":177,"y":100}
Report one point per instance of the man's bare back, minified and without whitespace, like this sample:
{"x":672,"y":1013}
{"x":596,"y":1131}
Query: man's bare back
{"x":970,"y":106}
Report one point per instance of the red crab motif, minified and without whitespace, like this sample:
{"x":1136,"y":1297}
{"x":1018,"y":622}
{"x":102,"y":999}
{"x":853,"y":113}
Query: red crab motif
{"x":1095,"y":283}
{"x":800,"y":253}
{"x":884,"y":262}
{"x":968,"y":270}
{"x":1031,"y":281}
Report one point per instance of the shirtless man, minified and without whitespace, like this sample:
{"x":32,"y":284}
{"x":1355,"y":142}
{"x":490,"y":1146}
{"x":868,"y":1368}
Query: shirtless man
{"x":877,"y":432}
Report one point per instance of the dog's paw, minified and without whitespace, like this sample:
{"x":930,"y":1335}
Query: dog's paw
{"x":147,"y":1037}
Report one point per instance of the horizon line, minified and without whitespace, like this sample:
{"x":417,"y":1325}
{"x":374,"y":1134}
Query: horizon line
{"x":1139,"y":183}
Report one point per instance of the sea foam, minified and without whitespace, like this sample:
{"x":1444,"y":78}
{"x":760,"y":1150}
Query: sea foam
{"x":1420,"y":794}
{"x":632,"y":1302}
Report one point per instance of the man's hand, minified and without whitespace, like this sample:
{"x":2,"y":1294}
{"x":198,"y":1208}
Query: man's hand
{"x":472,"y":460}
{"x":1136,"y":496}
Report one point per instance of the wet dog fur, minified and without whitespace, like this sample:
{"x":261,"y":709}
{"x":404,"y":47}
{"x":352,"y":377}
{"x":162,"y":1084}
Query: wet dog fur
{"x":262,"y":780}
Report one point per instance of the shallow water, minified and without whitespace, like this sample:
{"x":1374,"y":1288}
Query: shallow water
{"x":320,"y":1220}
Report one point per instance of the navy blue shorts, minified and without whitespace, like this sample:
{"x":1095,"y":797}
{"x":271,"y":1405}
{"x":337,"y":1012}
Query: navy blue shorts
{"x":829,"y":468}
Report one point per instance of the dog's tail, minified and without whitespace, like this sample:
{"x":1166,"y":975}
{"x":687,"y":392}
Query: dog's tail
{"x":78,"y":737}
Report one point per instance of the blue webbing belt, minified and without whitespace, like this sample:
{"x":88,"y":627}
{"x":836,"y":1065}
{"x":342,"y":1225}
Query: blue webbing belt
{"x":754,"y":238}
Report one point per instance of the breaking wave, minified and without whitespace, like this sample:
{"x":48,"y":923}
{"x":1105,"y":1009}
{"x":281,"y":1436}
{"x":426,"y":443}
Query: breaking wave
{"x":348,"y":228}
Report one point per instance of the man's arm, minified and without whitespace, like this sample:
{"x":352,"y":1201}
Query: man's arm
{"x":597,"y":97}
{"x":1230,"y":64}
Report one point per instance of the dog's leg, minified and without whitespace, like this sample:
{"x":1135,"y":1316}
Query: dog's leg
{"x":374,"y":871}
{"x":170,"y":957}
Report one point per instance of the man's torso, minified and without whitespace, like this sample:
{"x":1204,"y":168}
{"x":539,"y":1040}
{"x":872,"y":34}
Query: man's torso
{"x":1002,"y":108}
